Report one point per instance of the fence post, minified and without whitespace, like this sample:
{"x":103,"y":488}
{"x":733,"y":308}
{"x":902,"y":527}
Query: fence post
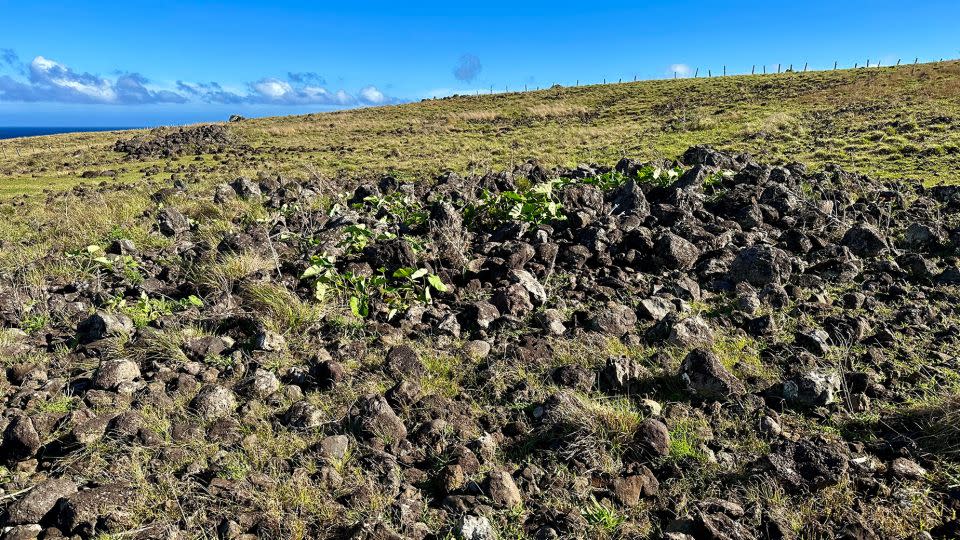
{"x":674,"y":74}
{"x":778,"y":69}
{"x":753,"y":69}
{"x":834,"y":65}
{"x":696,"y":72}
{"x":724,"y":71}
{"x":709,"y":73}
{"x":868,"y":62}
{"x":764,"y":69}
{"x":898,"y":61}
{"x":805,"y":67}
{"x":620,"y":80}
{"x":634,"y":78}
{"x":854,"y":65}
{"x":578,"y":82}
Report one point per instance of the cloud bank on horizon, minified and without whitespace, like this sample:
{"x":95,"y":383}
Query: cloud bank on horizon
{"x":46,"y":80}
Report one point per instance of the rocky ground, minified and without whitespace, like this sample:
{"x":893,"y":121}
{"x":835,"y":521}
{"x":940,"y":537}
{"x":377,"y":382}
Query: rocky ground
{"x":711,"y":348}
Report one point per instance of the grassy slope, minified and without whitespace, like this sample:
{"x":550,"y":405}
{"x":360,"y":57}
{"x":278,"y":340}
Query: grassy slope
{"x":891,"y":122}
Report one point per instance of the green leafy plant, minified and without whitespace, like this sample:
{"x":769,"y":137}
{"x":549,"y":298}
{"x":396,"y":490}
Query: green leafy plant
{"x":537,"y":205}
{"x":94,"y":258}
{"x":147,"y":310}
{"x":403,"y":288}
{"x":411,"y":284}
{"x":399,"y":206}
{"x":357,"y":237}
{"x":329,"y":281}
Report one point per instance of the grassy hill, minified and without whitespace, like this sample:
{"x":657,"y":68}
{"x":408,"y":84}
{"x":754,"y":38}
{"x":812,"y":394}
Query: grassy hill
{"x":267,"y":336}
{"x":888,"y":122}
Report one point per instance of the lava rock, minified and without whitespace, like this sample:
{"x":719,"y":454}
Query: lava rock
{"x":812,"y":389}
{"x":614,"y":319}
{"x":705,"y":376}
{"x":377,"y":420}
{"x":40,"y":501}
{"x":864,"y":240}
{"x":171,"y":222}
{"x":213,"y":402}
{"x":653,"y":437}
{"x":761,"y":265}
{"x":111,"y":374}
{"x":674,"y":252}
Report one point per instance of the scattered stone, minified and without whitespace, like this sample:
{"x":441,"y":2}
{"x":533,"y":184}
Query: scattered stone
{"x":503,"y":490}
{"x":864,"y":240}
{"x":171,"y":222}
{"x":264,"y":383}
{"x":303,"y":415}
{"x":114,"y":373}
{"x":907,"y":469}
{"x":705,"y":376}
{"x":102,"y":324}
{"x":815,"y":388}
{"x":404,"y":363}
{"x":653,"y":436}
{"x":675,"y":253}
{"x":761,"y":265}
{"x":476,"y":349}
{"x":377,"y":420}
{"x":614,"y":319}
{"x":213,"y":402}
{"x":656,"y":308}
{"x":20,"y":439}
{"x":334,"y":447}
{"x":40,"y":501}
{"x":475,"y":528}
{"x":691,"y":332}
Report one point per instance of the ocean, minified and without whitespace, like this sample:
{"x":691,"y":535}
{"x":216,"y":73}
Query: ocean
{"x":12,"y":132}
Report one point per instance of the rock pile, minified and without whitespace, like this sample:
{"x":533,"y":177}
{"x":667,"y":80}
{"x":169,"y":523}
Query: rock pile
{"x":689,"y":349}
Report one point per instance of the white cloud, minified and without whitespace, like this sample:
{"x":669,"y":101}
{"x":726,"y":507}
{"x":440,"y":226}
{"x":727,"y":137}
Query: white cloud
{"x":680,"y":69}
{"x":272,"y":88}
{"x":46,"y":80}
{"x":370,"y":94}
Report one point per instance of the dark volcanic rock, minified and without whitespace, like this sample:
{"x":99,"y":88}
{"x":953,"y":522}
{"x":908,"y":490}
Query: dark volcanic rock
{"x":705,"y":376}
{"x":761,"y":265}
{"x":40,"y":501}
{"x":864,"y":240}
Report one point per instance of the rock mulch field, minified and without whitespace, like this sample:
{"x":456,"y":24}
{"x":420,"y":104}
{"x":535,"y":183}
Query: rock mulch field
{"x":711,"y":349}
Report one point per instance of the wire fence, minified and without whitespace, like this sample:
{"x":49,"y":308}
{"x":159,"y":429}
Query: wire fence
{"x":755,"y":70}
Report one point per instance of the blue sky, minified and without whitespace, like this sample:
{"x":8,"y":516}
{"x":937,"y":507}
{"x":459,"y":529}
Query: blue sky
{"x":136,"y":63}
